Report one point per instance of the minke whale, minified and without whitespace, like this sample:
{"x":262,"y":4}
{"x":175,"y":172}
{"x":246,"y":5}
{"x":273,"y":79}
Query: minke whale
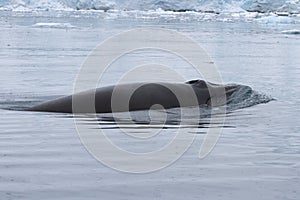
{"x":140,"y":96}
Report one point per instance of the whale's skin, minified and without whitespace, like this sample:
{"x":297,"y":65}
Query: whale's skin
{"x":144,"y":97}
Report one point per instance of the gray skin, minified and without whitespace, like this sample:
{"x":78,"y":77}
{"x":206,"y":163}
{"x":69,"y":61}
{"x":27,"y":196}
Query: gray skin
{"x":143,"y":96}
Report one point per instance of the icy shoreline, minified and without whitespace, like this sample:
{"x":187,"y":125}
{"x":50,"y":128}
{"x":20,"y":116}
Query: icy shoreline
{"x":161,"y":15}
{"x":212,"y":6}
{"x":262,"y":11}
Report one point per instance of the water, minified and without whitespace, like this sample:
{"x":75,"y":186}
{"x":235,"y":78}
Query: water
{"x":41,"y":156}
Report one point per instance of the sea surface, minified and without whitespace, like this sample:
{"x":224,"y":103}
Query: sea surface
{"x":41,"y":155}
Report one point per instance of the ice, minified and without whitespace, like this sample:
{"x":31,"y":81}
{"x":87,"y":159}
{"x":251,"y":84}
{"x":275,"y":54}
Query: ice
{"x":264,"y":11}
{"x":90,"y":4}
{"x":26,"y":5}
{"x":290,"y":6}
{"x":274,"y":19}
{"x":53,"y":25}
{"x":262,"y":6}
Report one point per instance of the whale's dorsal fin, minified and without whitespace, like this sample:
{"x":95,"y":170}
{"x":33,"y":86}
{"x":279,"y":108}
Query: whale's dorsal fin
{"x":192,"y":81}
{"x":198,"y":83}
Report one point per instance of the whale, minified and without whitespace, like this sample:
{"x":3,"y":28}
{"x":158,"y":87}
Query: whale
{"x":139,"y":96}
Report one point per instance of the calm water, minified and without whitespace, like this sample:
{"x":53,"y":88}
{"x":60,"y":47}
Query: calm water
{"x":41,"y":156}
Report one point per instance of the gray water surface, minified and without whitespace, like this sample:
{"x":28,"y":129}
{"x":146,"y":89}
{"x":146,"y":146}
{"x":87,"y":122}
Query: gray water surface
{"x":41,"y":156}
